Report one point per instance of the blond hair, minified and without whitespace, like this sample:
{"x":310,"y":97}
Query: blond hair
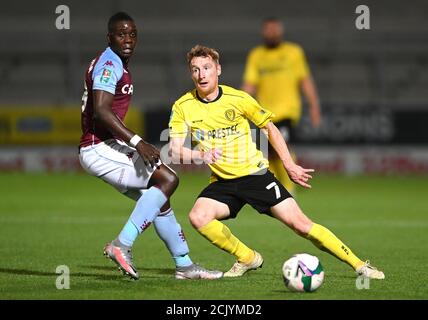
{"x":202,"y":51}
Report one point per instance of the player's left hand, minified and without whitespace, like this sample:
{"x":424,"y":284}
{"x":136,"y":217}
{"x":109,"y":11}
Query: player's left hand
{"x":212,"y":155}
{"x":148,"y":153}
{"x":299,"y":175}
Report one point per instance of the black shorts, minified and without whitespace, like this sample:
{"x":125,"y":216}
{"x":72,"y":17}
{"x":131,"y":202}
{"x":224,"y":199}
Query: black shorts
{"x":286,"y":127}
{"x":261,"y":191}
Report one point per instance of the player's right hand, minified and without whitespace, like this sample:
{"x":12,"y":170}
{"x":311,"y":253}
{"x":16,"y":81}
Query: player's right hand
{"x":299,"y":175}
{"x":148,"y":153}
{"x":211,"y":156}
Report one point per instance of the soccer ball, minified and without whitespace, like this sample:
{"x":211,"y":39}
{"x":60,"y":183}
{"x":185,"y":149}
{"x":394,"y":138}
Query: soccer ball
{"x":303,"y":273}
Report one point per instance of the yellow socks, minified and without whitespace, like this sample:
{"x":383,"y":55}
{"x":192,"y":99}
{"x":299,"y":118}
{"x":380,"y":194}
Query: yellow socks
{"x":327,"y":241}
{"x":220,"y":236}
{"x":277,"y":168}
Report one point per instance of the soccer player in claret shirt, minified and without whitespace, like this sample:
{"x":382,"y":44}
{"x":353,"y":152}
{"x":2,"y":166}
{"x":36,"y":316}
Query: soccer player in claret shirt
{"x":217,"y":116}
{"x":115,"y":154}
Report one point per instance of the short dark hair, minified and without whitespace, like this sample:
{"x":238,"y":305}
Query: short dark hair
{"x":119,"y":16}
{"x":271,"y":19}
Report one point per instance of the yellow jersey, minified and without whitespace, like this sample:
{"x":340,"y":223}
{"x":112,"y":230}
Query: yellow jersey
{"x":277,"y":73}
{"x":222,"y":124}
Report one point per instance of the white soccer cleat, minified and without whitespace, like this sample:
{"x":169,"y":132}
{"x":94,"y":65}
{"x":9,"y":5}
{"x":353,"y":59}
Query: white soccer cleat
{"x":239,"y":268}
{"x":367,"y":270}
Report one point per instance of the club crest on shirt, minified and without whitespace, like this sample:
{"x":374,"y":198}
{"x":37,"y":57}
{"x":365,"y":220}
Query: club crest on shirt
{"x":230,"y":114}
{"x":106,"y":75}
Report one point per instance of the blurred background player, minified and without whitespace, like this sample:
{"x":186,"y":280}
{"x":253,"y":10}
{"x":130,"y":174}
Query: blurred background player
{"x":112,"y":152}
{"x":275,"y":73}
{"x":217,"y":117}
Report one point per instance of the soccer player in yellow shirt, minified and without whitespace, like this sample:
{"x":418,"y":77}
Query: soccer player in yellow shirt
{"x":217,"y":118}
{"x":275,"y":74}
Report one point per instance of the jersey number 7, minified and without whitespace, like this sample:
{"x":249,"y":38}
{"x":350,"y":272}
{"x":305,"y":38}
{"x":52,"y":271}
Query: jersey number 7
{"x":275,"y":186}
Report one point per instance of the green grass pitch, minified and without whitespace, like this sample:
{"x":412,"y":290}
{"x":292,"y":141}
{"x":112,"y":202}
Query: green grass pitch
{"x":47,"y":220}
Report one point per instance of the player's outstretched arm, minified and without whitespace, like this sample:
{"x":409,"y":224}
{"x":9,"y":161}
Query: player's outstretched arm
{"x":296,"y":173}
{"x":103,"y":113}
{"x":182,"y":154}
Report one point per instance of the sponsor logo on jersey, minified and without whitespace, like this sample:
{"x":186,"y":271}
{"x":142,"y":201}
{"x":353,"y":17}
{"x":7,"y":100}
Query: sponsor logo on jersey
{"x":222,"y":133}
{"x":106,"y":75}
{"x":199,"y":135}
{"x":271,"y":69}
{"x":127,"y":89}
{"x":230,"y":114}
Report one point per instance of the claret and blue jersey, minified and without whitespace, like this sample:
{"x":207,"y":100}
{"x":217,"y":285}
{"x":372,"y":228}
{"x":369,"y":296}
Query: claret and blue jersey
{"x":107,"y":73}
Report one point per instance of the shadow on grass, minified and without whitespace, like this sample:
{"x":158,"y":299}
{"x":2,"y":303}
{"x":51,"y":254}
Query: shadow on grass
{"x":295,"y":294}
{"x":141,"y":270}
{"x":27,"y":272}
{"x":53,"y":274}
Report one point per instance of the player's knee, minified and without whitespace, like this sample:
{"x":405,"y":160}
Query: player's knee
{"x":168,"y":182}
{"x":302,"y":228}
{"x":197,"y":218}
{"x":172,"y":181}
{"x":194,"y":218}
